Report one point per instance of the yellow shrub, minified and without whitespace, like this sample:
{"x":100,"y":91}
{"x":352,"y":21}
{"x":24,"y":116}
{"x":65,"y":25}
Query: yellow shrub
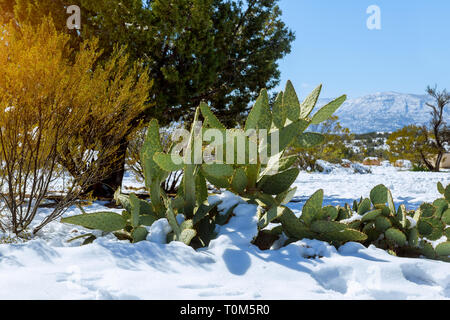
{"x":57,"y":107}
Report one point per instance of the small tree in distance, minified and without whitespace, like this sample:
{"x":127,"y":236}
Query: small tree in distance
{"x":410,"y":143}
{"x":438,"y":127}
{"x":333,"y":150}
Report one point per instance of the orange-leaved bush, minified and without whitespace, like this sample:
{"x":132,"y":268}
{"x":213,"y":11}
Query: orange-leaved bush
{"x":60,"y":112}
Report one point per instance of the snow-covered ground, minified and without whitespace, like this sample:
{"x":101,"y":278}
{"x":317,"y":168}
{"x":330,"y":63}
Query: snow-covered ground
{"x":48,"y":267}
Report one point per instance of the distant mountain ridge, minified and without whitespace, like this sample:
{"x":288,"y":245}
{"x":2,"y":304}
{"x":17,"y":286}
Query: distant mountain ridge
{"x":385,"y":111}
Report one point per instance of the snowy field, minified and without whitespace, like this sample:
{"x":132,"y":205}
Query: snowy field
{"x":48,"y":267}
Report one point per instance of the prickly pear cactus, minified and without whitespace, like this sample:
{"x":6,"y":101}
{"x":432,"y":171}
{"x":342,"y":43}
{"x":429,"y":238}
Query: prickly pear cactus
{"x":403,"y":232}
{"x":268,"y":183}
{"x":315,"y":222}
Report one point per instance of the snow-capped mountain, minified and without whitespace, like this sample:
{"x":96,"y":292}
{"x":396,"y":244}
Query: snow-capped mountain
{"x":387,"y":111}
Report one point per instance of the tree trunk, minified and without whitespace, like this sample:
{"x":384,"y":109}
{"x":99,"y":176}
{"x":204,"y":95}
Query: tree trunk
{"x":437,"y":165}
{"x":426,"y":162}
{"x":105,"y":188}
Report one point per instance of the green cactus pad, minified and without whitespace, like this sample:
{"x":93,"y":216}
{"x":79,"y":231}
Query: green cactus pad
{"x":171,"y":218}
{"x":390,"y":201}
{"x":291,"y":103}
{"x":440,"y":188}
{"x":123,"y":200}
{"x":312,"y":207}
{"x":322,"y":226}
{"x":447,"y":233}
{"x":168,"y":162}
{"x":275,"y":166}
{"x":260,"y":116}
{"x":348,"y":235}
{"x":270,"y":215}
{"x":447,"y":193}
{"x":286,"y":197}
{"x":210,"y":119}
{"x":284,"y":136}
{"x":371,"y":215}
{"x":425,"y":228}
{"x":187,"y":235}
{"x":443,"y":249}
{"x":293,"y":227}
{"x":217,"y":170}
{"x":437,"y":228}
{"x":428,"y":250}
{"x":201,"y":188}
{"x":441,"y":206}
{"x":372,"y":233}
{"x":286,"y":162}
{"x":239,"y":181}
{"x":355,"y":206}
{"x":343,"y":213}
{"x":436,"y":234}
{"x":355,"y":225}
{"x":364,"y":207}
{"x":378,"y":195}
{"x":135,"y":210}
{"x":427,"y":210}
{"x":397,"y":236}
{"x":203,"y":210}
{"x":278,"y":112}
{"x":446,"y":217}
{"x":139,"y":234}
{"x":104,"y":221}
{"x":152,"y":145}
{"x":325,"y":112}
{"x":328,"y":213}
{"x":280,"y":182}
{"x":310,"y":102}
{"x":382,"y":224}
{"x":146,"y":220}
{"x":413,"y":237}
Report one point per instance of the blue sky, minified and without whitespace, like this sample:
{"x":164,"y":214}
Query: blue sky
{"x":335,"y":47}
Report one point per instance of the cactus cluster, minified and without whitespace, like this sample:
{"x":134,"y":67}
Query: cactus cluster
{"x":268,"y":184}
{"x":315,"y":222}
{"x":319,"y":222}
{"x":265,"y":183}
{"x":385,"y":226}
{"x":130,"y":225}
{"x":370,"y":221}
{"x":434,"y":223}
{"x":401,"y":231}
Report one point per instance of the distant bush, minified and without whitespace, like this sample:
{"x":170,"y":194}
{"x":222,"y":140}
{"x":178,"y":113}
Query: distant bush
{"x":336,"y":145}
{"x":419,"y":168}
{"x":410,"y":143}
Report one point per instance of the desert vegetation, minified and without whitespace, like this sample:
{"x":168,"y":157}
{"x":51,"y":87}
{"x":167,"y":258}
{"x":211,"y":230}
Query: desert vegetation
{"x":86,"y":106}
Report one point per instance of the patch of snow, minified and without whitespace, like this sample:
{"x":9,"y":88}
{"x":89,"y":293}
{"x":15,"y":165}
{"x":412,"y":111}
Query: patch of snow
{"x":158,"y":231}
{"x":48,"y":267}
